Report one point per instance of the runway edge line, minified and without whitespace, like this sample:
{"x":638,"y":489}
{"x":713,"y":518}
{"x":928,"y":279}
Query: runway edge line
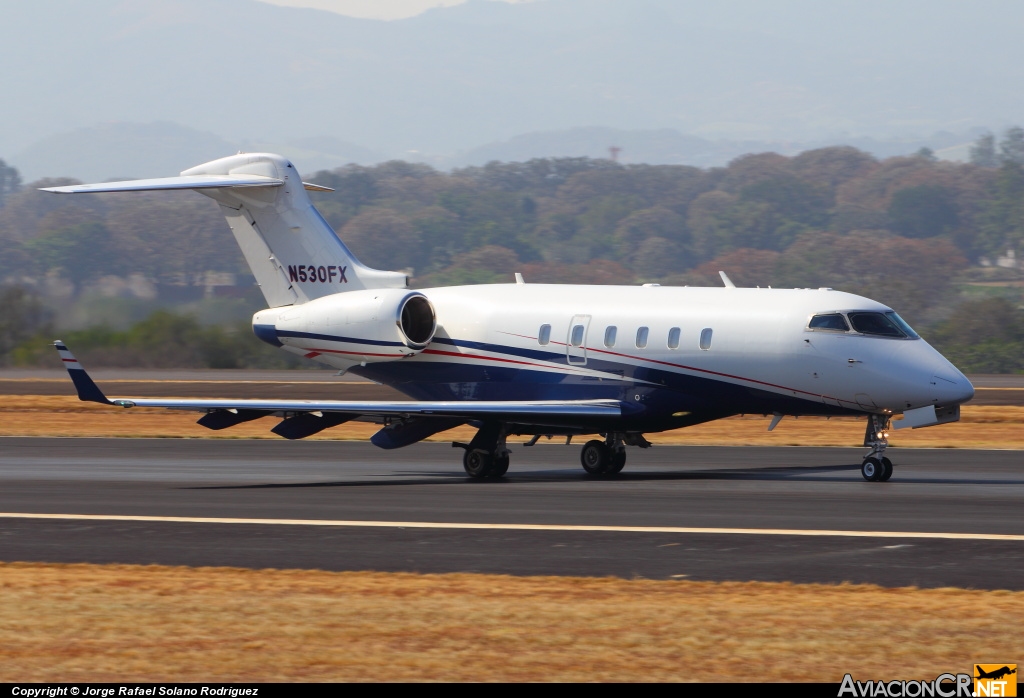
{"x":521,"y":527}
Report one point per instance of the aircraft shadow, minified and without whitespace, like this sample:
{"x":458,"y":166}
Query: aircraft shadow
{"x":567,"y":475}
{"x":816,"y":473}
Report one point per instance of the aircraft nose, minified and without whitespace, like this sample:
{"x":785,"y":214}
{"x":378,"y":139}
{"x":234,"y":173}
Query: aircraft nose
{"x":949,"y":389}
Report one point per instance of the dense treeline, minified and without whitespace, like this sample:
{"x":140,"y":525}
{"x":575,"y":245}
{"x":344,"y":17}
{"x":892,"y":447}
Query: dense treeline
{"x":923,"y":235}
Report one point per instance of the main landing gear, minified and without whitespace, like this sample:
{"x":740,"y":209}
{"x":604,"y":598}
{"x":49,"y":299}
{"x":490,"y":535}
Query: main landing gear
{"x":603,"y":458}
{"x":486,"y":457}
{"x":876,"y":467}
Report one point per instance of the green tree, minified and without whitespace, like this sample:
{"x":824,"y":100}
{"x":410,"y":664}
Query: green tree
{"x":1011,"y":148}
{"x":999,"y":223}
{"x":21,"y":316}
{"x":383,"y":239}
{"x":924,"y":211}
{"x":83,"y":251}
{"x":983,"y":336}
{"x":983,"y":152}
{"x":10,"y":181}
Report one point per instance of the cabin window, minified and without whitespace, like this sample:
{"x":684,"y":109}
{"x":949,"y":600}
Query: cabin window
{"x":641,"y":337}
{"x":544,"y":335}
{"x":609,"y":335}
{"x":829,"y":321}
{"x":879,"y":324}
{"x":576,"y":338}
{"x":705,"y":339}
{"x":673,"y":338}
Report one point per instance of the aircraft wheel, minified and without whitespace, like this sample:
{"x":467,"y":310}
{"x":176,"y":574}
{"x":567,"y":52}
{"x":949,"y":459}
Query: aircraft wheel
{"x":596,"y":457}
{"x":618,"y":462}
{"x":872,"y":469}
{"x":477,"y":464}
{"x":499,"y":466}
{"x":887,"y":470}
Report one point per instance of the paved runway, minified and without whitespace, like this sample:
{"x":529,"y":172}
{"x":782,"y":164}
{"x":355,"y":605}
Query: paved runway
{"x":781,"y":491}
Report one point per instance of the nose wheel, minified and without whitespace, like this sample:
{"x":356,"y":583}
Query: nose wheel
{"x":876,"y":467}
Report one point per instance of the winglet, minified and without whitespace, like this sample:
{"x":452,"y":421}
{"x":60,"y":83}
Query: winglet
{"x":87,"y":390}
{"x":726,"y":280}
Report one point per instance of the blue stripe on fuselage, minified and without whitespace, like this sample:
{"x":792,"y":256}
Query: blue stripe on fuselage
{"x":335,"y":338}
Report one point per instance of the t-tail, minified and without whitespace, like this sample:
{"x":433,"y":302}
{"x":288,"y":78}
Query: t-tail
{"x":292,"y":251}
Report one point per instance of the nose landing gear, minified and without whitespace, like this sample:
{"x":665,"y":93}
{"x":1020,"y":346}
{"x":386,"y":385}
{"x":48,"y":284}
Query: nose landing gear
{"x":876,"y":467}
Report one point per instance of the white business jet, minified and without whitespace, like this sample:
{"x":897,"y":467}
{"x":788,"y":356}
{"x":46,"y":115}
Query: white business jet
{"x":541,"y":359}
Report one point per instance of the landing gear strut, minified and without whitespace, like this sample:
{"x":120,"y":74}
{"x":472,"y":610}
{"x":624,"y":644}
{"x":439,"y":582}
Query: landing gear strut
{"x":876,"y":467}
{"x":606,"y":457}
{"x":487,"y":456}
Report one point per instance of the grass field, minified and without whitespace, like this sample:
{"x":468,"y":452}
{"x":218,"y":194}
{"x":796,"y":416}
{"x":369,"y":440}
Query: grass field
{"x":53,"y":415}
{"x":131,"y":623}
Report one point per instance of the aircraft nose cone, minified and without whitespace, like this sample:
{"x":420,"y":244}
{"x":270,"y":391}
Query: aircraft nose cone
{"x":951,"y":390}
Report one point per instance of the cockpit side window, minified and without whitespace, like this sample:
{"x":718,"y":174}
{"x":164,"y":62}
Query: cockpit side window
{"x":877,"y":324}
{"x":829,"y":321}
{"x":902,"y":324}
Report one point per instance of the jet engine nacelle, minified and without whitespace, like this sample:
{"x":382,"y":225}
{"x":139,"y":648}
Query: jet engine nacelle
{"x":355,"y":327}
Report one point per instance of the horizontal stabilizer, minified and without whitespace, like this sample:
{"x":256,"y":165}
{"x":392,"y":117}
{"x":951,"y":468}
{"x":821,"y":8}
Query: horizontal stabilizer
{"x":163,"y":183}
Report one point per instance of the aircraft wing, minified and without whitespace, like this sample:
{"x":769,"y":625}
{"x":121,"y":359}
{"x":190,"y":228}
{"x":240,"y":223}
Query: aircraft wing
{"x":307,"y":417}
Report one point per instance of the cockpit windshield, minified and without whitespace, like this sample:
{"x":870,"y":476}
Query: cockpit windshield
{"x":873,"y":323}
{"x":881,"y":325}
{"x":829,"y":321}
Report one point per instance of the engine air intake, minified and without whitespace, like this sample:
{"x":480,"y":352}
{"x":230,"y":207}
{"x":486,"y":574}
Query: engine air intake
{"x":417,"y":320}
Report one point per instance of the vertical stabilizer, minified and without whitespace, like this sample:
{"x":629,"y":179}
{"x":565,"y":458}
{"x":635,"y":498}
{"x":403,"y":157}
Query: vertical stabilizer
{"x":292,"y":251}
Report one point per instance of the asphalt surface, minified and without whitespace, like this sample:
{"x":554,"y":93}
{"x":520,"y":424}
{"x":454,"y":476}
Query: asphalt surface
{"x":782,"y":489}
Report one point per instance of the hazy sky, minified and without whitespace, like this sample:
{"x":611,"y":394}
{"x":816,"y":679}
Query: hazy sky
{"x":375,"y":9}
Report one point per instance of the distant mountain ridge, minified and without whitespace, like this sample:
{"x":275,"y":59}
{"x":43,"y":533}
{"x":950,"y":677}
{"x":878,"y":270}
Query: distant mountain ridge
{"x":127,"y":150}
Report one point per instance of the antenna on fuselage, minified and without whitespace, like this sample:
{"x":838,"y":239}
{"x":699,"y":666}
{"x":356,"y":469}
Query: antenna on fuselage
{"x":726,"y":280}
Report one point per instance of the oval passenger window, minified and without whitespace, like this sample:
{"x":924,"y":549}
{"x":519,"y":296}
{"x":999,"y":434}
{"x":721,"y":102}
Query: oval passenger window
{"x":544,"y":336}
{"x":641,"y":338}
{"x":609,"y":336}
{"x":577,"y":336}
{"x":705,"y":339}
{"x":673,"y":338}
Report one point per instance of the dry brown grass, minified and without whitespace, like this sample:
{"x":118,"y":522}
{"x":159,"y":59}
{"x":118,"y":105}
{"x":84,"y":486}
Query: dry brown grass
{"x":54,"y":415}
{"x":118,"y":622}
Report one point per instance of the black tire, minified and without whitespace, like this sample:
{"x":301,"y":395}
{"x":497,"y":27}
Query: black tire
{"x":476,"y":463}
{"x":618,"y":462}
{"x":871,"y":469}
{"x":887,"y":470}
{"x":596,"y":457}
{"x":499,"y":466}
